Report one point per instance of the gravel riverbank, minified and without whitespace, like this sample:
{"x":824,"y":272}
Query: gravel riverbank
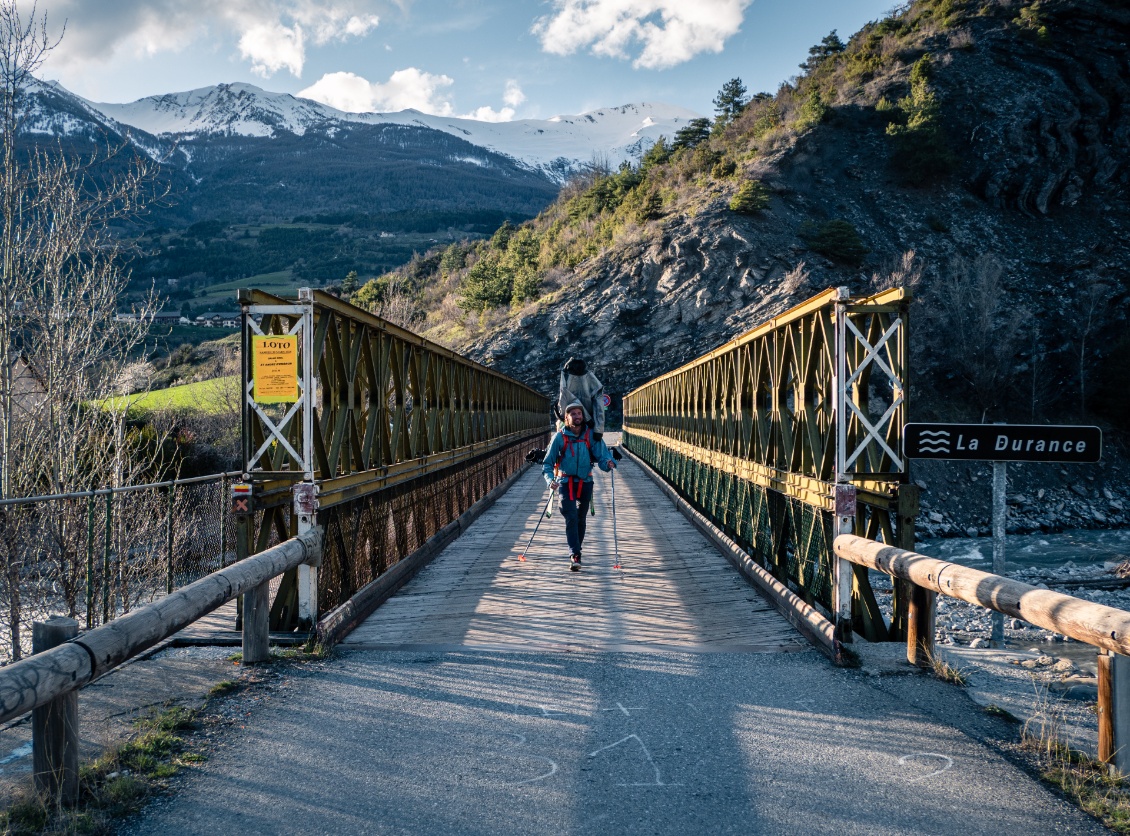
{"x":1042,"y":678}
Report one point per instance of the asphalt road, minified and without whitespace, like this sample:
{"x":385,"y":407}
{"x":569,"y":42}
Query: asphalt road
{"x":655,"y":743}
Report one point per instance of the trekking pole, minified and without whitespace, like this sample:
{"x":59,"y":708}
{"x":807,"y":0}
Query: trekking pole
{"x":541,"y":517}
{"x":549,"y":506}
{"x":615,"y":538}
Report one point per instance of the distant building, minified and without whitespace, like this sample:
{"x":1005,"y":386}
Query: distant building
{"x":219,"y":319}
{"x":157,"y":319}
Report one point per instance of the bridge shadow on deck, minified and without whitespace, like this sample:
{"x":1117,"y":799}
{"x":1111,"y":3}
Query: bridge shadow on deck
{"x":674,"y":589}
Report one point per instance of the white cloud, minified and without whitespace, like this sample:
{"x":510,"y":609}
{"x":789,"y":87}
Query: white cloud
{"x":489,"y":114}
{"x":409,"y":88}
{"x":513,"y":94}
{"x":668,"y":32}
{"x":272,"y":35}
{"x":271,"y":47}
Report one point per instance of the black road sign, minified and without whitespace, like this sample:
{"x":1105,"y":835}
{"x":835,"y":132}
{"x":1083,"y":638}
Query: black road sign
{"x":1003,"y":442}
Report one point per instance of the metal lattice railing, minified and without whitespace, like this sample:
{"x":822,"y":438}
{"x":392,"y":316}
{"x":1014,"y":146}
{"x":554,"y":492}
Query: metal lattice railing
{"x":94,"y":555}
{"x":386,"y":436}
{"x":367,"y":536}
{"x":791,"y":434}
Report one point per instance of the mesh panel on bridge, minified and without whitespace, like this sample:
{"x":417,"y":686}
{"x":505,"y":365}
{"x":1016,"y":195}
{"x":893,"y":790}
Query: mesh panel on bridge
{"x":789,"y":538}
{"x":369,"y":535}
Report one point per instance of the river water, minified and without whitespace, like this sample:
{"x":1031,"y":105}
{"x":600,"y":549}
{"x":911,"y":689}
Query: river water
{"x":1085,"y":552}
{"x":1038,"y":551}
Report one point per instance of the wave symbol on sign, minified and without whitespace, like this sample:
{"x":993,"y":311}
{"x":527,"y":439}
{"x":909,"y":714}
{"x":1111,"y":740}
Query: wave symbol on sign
{"x":934,"y":441}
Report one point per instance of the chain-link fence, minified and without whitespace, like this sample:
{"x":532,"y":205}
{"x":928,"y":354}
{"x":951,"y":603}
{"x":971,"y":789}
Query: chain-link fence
{"x":97,"y":554}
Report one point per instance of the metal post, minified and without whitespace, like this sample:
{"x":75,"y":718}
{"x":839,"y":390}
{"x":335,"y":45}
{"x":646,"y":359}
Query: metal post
{"x":1000,"y":513}
{"x":845,"y":493}
{"x":1114,"y":710}
{"x":108,"y":543}
{"x":1120,"y":711}
{"x":90,"y":561}
{"x":305,"y":494}
{"x":844,"y":573}
{"x":224,"y":502}
{"x":169,"y":543}
{"x":54,"y":726}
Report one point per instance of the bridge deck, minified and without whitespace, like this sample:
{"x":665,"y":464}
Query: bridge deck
{"x":674,"y":589}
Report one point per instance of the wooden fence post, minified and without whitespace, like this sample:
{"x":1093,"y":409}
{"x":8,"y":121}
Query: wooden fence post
{"x":256,"y":627}
{"x":920,"y":626}
{"x":54,"y":726}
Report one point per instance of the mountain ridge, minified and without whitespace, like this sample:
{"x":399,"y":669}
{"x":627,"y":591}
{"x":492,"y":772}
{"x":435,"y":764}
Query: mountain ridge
{"x":555,"y":146}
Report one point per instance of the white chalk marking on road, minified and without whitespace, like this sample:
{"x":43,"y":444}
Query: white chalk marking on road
{"x":543,"y":776}
{"x":947,"y":759}
{"x":646,"y":753}
{"x":627,"y":711}
{"x":549,"y":710}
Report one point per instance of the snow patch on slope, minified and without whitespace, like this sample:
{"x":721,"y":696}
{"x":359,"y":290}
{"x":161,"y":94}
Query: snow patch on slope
{"x":553,"y":146}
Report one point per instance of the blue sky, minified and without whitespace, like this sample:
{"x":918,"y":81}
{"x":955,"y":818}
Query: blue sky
{"x":492,"y":59}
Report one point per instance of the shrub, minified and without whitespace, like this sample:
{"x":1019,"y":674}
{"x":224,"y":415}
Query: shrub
{"x":837,"y":239}
{"x":723,"y":169}
{"x":768,"y":118}
{"x":751,"y":198}
{"x":485,"y":285}
{"x":920,"y":151}
{"x":811,"y":113}
{"x":643,"y":204}
{"x":1031,"y":23}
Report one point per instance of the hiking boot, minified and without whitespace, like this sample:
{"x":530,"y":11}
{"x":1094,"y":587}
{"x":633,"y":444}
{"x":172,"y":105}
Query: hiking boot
{"x":575,"y":562}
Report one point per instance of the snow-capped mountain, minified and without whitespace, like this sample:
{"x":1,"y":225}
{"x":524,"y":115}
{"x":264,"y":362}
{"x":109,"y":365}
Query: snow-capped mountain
{"x":243,"y":154}
{"x":552,"y":146}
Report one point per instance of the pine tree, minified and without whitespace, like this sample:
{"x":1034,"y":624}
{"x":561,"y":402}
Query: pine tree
{"x":349,"y":285}
{"x":695,"y":131}
{"x":730,"y":101}
{"x":829,"y":46}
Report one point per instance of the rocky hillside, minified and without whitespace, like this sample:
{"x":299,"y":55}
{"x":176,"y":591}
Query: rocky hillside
{"x":978,"y":151}
{"x":1040,"y":133}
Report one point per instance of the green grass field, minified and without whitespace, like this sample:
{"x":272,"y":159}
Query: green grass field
{"x":221,"y":297}
{"x":205,"y":396}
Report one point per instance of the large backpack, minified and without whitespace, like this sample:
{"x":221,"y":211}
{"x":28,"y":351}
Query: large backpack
{"x":578,"y":383}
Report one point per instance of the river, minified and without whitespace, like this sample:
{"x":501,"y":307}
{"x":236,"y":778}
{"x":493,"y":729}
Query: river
{"x":1084,"y":548}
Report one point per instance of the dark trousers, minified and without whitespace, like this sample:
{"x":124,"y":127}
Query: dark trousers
{"x":575,"y":510}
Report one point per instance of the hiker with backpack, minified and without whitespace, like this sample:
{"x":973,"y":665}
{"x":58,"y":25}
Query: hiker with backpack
{"x":579,"y":384}
{"x":567,"y":468}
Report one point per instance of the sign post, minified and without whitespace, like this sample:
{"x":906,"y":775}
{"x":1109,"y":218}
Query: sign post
{"x":1002,"y":443}
{"x":1000,"y":518}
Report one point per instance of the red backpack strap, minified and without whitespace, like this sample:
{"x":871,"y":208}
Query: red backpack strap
{"x":567,"y":446}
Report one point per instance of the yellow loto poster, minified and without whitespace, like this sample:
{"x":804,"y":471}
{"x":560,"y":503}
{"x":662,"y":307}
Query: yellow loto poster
{"x":274,"y":368}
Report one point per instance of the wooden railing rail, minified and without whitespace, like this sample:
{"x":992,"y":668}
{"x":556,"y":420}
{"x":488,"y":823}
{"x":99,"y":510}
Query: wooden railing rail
{"x":39,"y":679}
{"x":1103,"y":627}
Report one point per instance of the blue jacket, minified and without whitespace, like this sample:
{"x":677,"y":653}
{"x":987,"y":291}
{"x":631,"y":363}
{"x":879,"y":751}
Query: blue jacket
{"x":576,"y":460}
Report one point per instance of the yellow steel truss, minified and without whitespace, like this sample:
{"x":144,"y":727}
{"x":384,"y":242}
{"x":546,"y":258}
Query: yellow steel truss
{"x":805,"y":405}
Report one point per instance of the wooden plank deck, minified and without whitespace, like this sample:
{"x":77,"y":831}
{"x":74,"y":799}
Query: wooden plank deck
{"x":674,"y":590}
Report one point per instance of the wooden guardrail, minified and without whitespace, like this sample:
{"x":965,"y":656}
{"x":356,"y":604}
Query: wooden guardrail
{"x":40,"y":679}
{"x":1103,"y":627}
